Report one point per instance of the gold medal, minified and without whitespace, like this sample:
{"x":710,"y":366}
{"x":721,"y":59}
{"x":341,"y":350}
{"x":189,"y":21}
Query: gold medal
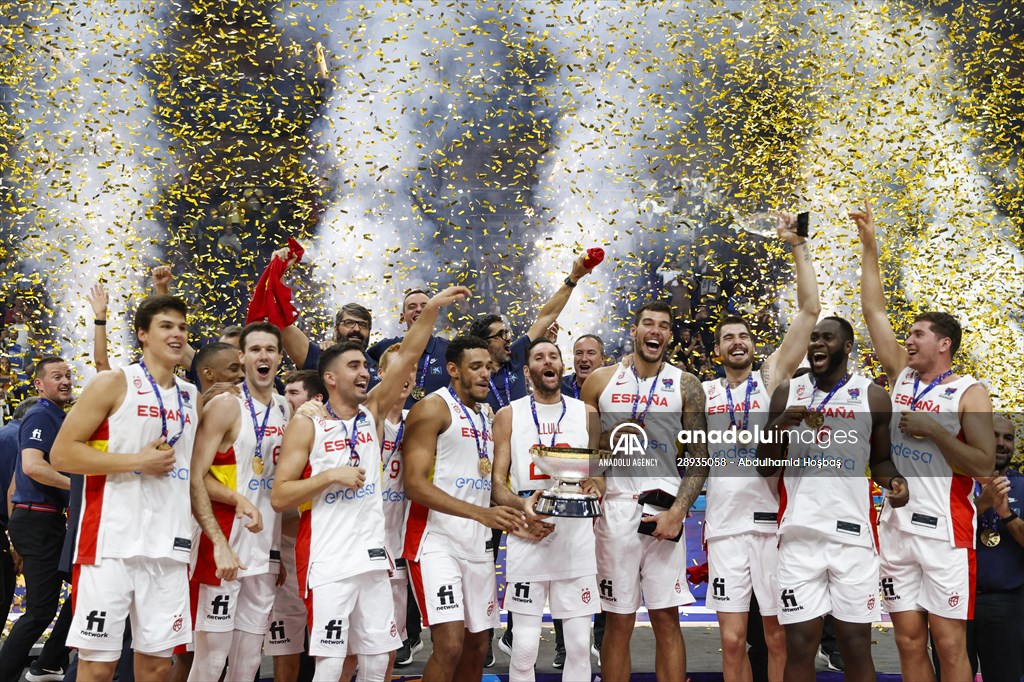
{"x":814,"y":419}
{"x":257,"y":465}
{"x":163,"y":446}
{"x":990,"y":537}
{"x":485,"y":466}
{"x":418,"y":393}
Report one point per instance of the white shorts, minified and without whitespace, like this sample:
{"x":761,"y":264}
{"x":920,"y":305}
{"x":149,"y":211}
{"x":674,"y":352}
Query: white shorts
{"x":152,"y":592}
{"x":244,"y":604}
{"x":569,"y":598}
{"x":449,"y":589}
{"x":924,"y":574}
{"x":634,"y":568}
{"x":818,"y":575}
{"x":400,"y":596}
{"x":353,"y":616}
{"x":287,"y":632}
{"x":741,"y":565}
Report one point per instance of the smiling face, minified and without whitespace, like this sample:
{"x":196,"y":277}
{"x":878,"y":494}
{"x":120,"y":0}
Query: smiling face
{"x":925,"y":348}
{"x":587,"y":355}
{"x":651,"y":335}
{"x":412,"y":307}
{"x":349,"y":377}
{"x":1005,"y":437}
{"x":828,"y":349}
{"x":545,"y":368}
{"x":735,"y":346}
{"x":262,"y":357}
{"x":165,"y":337}
{"x":54,"y":383}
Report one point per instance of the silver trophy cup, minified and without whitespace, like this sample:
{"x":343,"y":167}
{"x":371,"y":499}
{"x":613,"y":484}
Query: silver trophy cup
{"x":569,"y":467}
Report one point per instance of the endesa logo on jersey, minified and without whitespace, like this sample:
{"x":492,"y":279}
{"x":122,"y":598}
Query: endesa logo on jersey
{"x":261,"y":483}
{"x":474,"y":483}
{"x":347,"y":495}
{"x":913,"y":454}
{"x":153,"y":412}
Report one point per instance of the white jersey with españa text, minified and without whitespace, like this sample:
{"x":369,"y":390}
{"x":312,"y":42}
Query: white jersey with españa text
{"x":457,"y":472}
{"x":396,"y":507}
{"x":342,"y":534}
{"x":738,"y":500}
{"x":829,"y":491}
{"x":235,"y":469}
{"x":941,"y":500}
{"x":658,"y":400}
{"x":133,"y":514}
{"x":569,"y":551}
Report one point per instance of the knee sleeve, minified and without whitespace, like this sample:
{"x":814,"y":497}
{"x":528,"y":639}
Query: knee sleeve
{"x":576,"y":635}
{"x":328,"y":669}
{"x":525,"y":645}
{"x":373,"y":667}
{"x":211,"y":654}
{"x":245,"y":656}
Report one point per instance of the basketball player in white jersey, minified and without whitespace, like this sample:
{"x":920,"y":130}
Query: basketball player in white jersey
{"x":335,"y":461}
{"x":742,"y":508}
{"x":942,"y":436}
{"x":285,"y":637}
{"x":131,"y":432}
{"x":658,"y":399}
{"x":557,"y":565}
{"x":448,"y":461}
{"x":237,"y":445}
{"x":837,"y":425}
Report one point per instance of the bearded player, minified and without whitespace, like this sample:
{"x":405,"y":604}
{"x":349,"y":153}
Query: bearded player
{"x":942,"y":436}
{"x":656,"y":399}
{"x":742,"y":509}
{"x":237,"y":448}
{"x":555,"y":563}
{"x":335,"y":461}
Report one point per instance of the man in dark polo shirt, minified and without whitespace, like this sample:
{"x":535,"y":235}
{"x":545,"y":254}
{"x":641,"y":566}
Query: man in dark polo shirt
{"x":587,"y":355}
{"x":38,"y":525}
{"x":507,"y":381}
{"x":995,"y":638}
{"x":431,"y":374}
{"x":9,"y":450}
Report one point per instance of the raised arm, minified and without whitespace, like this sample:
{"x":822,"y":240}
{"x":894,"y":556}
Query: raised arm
{"x":889,"y":350}
{"x":385,"y":394}
{"x":98,"y":302}
{"x":550,"y":311}
{"x":162,"y":277}
{"x":72,"y":453}
{"x":428,"y":419}
{"x":783,"y":362}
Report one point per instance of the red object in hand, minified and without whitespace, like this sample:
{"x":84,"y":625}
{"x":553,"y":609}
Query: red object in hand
{"x":697,"y":574}
{"x":593,"y":258}
{"x":272,"y":300}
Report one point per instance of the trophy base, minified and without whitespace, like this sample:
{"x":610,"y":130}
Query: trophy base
{"x":568,"y":505}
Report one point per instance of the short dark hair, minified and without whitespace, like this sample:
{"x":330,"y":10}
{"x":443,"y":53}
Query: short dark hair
{"x":654,"y":307}
{"x":727,"y":320}
{"x":264,"y":327}
{"x":231,"y":331}
{"x":355,"y":310}
{"x":589,"y":336}
{"x":458,"y":346}
{"x":333,"y":353}
{"x":539,"y":340}
{"x":204,"y":358}
{"x":310,"y":381}
{"x":846,"y":327}
{"x":153,"y":305}
{"x":416,"y":290}
{"x":945,"y":326}
{"x":43,"y":362}
{"x":481,"y":326}
{"x":24,"y":406}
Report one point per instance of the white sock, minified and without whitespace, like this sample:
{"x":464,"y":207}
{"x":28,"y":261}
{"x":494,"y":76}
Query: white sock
{"x":245,"y":657}
{"x":373,"y":667}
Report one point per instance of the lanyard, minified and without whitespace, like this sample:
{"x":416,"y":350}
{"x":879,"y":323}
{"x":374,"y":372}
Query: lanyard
{"x":935,"y":382}
{"x":839,"y":385}
{"x":353,"y":456}
{"x":650,"y":396}
{"x":536,"y":421}
{"x":746,"y":402}
{"x":481,"y":448}
{"x":507,"y":391}
{"x":160,"y":404}
{"x":259,"y":430}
